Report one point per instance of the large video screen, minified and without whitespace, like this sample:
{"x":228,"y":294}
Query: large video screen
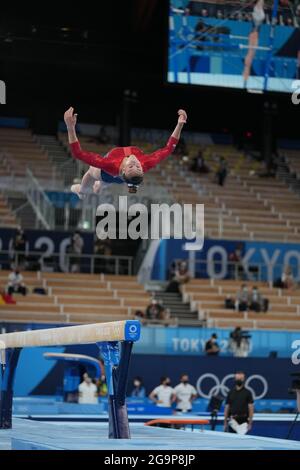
{"x":253,"y":45}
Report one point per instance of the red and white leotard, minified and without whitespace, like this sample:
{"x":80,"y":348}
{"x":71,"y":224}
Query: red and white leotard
{"x":111,"y":162}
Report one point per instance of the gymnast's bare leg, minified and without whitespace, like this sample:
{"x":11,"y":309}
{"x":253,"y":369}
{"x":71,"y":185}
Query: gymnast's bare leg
{"x":258,"y":17}
{"x":253,"y":42}
{"x":90,"y":183}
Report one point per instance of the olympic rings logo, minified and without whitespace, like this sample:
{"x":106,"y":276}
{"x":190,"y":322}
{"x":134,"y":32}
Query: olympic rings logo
{"x":222,"y":388}
{"x":133,"y":328}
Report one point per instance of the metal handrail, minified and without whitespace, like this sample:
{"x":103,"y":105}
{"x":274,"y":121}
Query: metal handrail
{"x":65,"y":259}
{"x":40,"y":202}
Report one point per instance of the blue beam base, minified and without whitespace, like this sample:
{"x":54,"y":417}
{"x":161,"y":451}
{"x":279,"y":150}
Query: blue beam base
{"x":116,"y":364}
{"x":8,"y":371}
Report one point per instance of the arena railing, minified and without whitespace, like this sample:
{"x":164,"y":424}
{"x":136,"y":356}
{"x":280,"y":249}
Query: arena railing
{"x":40,"y":202}
{"x":237,"y":271}
{"x":66,"y":262}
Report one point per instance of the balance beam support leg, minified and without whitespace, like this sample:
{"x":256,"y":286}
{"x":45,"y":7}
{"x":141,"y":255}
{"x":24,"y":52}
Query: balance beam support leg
{"x":7,"y":383}
{"x":116,"y":368}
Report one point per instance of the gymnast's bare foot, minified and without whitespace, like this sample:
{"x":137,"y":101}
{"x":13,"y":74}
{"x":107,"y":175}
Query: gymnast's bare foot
{"x":76,"y":188}
{"x":97,"y":187}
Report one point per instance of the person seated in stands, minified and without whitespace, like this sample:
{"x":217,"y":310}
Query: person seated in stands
{"x":16,"y":283}
{"x":235,"y":266}
{"x":286,"y":281}
{"x":77,"y":244}
{"x":138,"y":390}
{"x":181,"y":148}
{"x":257,"y":302}
{"x":164,"y":314}
{"x":199,"y":165}
{"x":222,"y":171}
{"x":139,"y":315}
{"x":181,"y":276}
{"x":211,"y":346}
{"x":18,"y":245}
{"x":102,"y":137}
{"x":103,"y":248}
{"x":153,"y":311}
{"x":229,"y":302}
{"x":287,"y":278}
{"x":242,"y":299}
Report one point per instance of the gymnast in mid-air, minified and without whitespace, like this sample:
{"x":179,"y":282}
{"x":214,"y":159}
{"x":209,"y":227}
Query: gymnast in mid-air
{"x":125,"y":165}
{"x":258,"y":17}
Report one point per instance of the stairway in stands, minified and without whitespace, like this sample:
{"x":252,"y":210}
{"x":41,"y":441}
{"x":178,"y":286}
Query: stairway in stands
{"x":7,"y":217}
{"x":59,"y":156}
{"x":178,"y":308}
{"x":286,"y":174}
{"x":23,"y":210}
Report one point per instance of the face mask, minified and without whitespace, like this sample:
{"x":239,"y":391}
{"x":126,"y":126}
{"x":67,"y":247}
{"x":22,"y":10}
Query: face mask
{"x":136,"y":384}
{"x":185,"y":382}
{"x":239,"y":383}
{"x":168,"y":383}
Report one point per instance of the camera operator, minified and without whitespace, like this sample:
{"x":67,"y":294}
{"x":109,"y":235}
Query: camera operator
{"x":295,"y":389}
{"x":239,"y":343}
{"x":239,"y":409}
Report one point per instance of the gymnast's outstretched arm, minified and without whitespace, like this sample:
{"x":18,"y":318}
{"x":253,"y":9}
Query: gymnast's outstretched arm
{"x":160,"y":154}
{"x":92,"y":159}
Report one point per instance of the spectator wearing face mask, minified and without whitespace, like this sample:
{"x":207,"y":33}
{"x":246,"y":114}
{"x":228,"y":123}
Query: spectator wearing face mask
{"x":287,"y":278}
{"x":257,"y":302}
{"x":181,"y":276}
{"x":185,"y":395}
{"x":16,"y":283}
{"x":242,"y":299}
{"x":164,"y":394}
{"x":239,"y":409}
{"x":138,"y":390}
{"x":153,"y":311}
{"x":87,"y":391}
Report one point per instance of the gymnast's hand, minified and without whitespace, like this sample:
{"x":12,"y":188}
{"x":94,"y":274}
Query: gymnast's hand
{"x":182,"y":116}
{"x":70,"y":118}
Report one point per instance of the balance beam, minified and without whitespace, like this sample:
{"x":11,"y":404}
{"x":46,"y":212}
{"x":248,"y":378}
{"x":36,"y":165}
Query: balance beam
{"x":82,"y":334}
{"x":107,"y":337}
